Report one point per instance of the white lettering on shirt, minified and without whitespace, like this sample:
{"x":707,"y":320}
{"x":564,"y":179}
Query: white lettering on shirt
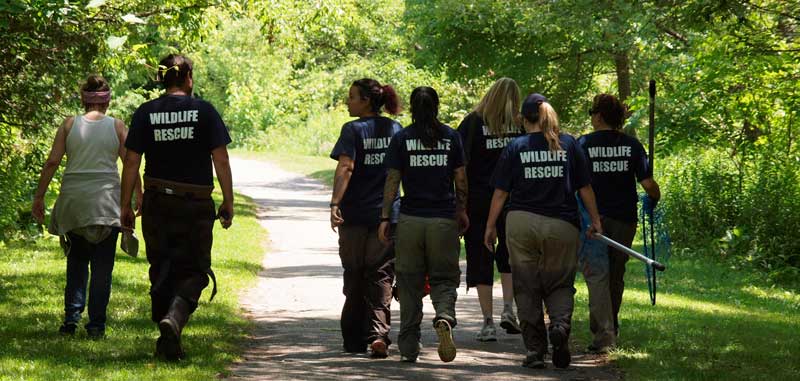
{"x":171,"y":134}
{"x":374,"y":158}
{"x":416,"y":145}
{"x":376,"y":143}
{"x":422,"y":160}
{"x":527,"y":157}
{"x":615,"y":152}
{"x":174,"y":117}
{"x":618,"y":154}
{"x":546,"y":171}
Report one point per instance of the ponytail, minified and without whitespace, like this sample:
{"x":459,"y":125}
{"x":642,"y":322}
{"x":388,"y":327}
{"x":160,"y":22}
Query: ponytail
{"x":378,"y":95}
{"x":390,"y":101}
{"x":548,"y":122}
{"x":424,"y":113}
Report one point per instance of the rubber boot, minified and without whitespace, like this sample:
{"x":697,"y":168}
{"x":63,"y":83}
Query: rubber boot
{"x":171,"y":326}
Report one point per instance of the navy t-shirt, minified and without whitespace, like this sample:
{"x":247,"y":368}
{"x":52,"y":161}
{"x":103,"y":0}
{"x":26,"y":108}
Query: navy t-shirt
{"x":176,"y":134}
{"x":617,"y":162}
{"x":542,"y":181}
{"x":482,"y":155}
{"x":365,"y":141}
{"x":428,"y":173}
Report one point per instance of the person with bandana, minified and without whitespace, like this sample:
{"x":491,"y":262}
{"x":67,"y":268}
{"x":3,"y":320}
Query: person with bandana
{"x":86,"y":215}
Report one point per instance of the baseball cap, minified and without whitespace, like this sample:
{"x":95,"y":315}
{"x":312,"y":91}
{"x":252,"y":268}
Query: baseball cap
{"x":530,"y":106}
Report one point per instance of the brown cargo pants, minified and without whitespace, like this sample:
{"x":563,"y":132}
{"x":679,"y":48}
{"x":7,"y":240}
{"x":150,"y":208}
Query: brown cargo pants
{"x":543,"y":253}
{"x":368,"y":277}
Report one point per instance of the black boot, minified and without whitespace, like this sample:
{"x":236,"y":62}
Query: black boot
{"x":169,"y":344}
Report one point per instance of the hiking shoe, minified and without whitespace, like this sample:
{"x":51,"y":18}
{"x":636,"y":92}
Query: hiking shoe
{"x":508,"y":321}
{"x":447,"y":348}
{"x":408,"y":359}
{"x":170,"y":340}
{"x":379,"y":349}
{"x":560,"y":341}
{"x":67,"y":329}
{"x":95,"y":333}
{"x":488,"y":332}
{"x":534,"y":360}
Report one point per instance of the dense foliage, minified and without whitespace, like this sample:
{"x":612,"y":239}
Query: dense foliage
{"x":728,"y":98}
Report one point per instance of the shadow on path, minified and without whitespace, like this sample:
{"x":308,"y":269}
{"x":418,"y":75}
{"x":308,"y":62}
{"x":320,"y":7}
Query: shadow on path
{"x":298,"y":298}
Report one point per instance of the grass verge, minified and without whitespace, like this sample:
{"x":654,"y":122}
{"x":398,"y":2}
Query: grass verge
{"x":32,"y":302}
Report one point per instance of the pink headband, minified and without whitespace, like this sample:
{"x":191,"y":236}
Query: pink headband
{"x":95,"y":97}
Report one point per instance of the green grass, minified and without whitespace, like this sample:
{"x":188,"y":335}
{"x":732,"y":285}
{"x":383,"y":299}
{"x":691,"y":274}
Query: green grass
{"x":31,"y":309}
{"x":712,"y":321}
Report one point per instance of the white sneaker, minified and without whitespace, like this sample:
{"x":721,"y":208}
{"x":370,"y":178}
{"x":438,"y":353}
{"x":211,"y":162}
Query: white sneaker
{"x":508,"y":321}
{"x":487,"y":333}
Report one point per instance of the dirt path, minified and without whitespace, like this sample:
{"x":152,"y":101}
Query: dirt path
{"x":297,"y":301}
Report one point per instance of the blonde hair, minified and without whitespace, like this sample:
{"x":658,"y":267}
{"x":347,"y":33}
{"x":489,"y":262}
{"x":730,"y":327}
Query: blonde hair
{"x":499,"y":106}
{"x":548,"y":122}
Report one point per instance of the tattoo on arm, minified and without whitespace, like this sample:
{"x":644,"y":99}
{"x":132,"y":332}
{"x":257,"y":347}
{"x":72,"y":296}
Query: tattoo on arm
{"x":461,"y":188}
{"x":390,"y":191}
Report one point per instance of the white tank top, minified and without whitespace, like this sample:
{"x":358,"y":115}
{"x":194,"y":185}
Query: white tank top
{"x":92,"y":146}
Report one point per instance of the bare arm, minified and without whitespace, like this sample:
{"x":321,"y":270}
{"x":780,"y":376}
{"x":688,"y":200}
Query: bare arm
{"x":587,"y":196}
{"x":461,"y":188}
{"x":49,"y":169}
{"x":460,"y":177}
{"x":130,"y":172}
{"x":222,"y":166}
{"x":122,"y":136}
{"x":344,"y":170}
{"x":390,"y":189}
{"x":651,"y":188}
{"x":499,"y":198}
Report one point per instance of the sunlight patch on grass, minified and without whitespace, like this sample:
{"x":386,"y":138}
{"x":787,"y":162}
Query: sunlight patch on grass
{"x":31,"y":309}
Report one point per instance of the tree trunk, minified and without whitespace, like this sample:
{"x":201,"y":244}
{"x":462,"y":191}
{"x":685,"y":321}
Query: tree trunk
{"x":622,"y":64}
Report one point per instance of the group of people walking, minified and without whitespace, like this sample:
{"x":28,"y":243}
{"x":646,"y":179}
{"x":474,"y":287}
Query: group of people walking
{"x":507,"y":172}
{"x":180,"y":137}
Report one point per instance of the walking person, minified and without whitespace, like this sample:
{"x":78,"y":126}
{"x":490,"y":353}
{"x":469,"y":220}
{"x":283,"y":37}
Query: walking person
{"x":427,"y":157}
{"x":86,"y":215}
{"x":617,"y":162}
{"x":355,"y":211}
{"x":538,"y":174}
{"x":180,"y":137}
{"x":485,"y":132}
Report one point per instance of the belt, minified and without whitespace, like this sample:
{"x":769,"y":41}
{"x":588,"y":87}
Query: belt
{"x":174,"y":188}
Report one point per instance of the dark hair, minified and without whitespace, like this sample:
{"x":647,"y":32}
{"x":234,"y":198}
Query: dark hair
{"x":95,"y":82}
{"x":610,"y":108}
{"x":378,"y":95}
{"x":424,"y":113}
{"x":174,"y":70}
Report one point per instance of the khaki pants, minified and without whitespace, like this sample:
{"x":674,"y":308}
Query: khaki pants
{"x":368,"y":276}
{"x":605,"y":279}
{"x":425,"y":246}
{"x":543,"y":253}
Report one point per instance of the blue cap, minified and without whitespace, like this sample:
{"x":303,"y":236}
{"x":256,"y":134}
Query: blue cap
{"x":530,"y":107}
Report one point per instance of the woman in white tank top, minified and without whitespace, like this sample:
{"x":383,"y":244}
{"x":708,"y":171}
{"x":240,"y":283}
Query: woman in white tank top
{"x":86,"y":213}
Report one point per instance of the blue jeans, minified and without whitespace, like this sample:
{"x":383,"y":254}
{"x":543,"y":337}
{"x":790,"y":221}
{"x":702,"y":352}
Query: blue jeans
{"x":100,"y":257}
